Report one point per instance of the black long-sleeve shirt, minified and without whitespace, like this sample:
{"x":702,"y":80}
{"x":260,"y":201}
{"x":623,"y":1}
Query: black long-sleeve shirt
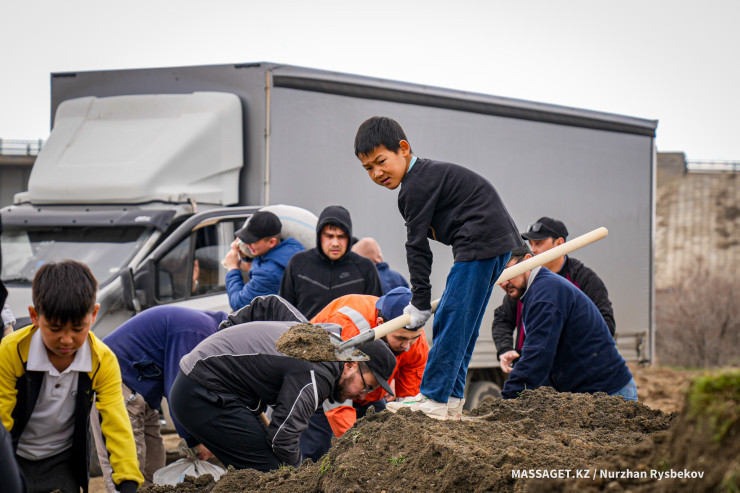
{"x":455,"y":206}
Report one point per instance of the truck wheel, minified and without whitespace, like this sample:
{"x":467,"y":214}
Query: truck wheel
{"x":480,"y":392}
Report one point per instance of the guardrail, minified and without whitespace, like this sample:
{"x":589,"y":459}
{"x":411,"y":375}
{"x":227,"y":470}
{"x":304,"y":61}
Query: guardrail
{"x":11,"y":147}
{"x":701,"y":166}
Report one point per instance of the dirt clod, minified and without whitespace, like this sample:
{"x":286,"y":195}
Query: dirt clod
{"x":307,"y":341}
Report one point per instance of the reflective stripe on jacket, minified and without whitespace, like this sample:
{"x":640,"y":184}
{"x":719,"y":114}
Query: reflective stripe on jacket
{"x":410,"y":365}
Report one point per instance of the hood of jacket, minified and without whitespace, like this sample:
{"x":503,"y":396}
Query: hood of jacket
{"x":337,"y":216}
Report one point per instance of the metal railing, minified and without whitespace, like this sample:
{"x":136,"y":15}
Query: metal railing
{"x":701,"y":166}
{"x":11,"y":147}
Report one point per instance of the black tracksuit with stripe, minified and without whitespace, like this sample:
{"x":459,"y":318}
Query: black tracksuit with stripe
{"x":241,"y":364}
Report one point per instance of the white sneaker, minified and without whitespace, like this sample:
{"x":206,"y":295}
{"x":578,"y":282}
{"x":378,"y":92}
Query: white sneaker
{"x":420,"y":402}
{"x":455,"y":408}
{"x":412,"y":403}
{"x":434,"y":409}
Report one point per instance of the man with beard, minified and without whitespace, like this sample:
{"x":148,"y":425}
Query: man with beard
{"x":357,"y":313}
{"x":232,"y":376}
{"x":568,"y":345}
{"x":543,"y":235}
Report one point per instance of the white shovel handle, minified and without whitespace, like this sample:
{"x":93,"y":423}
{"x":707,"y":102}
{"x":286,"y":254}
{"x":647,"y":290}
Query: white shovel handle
{"x":510,"y":273}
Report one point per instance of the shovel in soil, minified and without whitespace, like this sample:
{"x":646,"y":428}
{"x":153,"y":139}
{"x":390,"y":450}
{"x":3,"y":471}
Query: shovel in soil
{"x":346,"y":350}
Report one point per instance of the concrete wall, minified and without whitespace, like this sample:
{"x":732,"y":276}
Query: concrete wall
{"x":698,"y":216}
{"x":14,"y":173}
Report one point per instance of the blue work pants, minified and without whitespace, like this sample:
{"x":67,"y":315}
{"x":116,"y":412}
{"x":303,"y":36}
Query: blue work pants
{"x":456,"y":325}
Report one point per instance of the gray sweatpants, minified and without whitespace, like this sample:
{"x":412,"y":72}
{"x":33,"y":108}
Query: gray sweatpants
{"x":149,"y":445}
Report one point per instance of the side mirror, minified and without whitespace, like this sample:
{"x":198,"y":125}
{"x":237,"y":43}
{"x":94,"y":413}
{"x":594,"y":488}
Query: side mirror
{"x":129,"y":293}
{"x":142,"y":286}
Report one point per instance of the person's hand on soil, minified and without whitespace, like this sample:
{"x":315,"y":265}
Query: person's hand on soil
{"x":202,"y":452}
{"x":506,"y":359}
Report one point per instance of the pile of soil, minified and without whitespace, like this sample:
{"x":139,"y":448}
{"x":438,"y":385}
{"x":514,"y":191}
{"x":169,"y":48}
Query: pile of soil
{"x":703,"y":446}
{"x":306,"y":341}
{"x":542,"y":429}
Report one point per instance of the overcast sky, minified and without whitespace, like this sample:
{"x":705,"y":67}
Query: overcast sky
{"x":675,"y":61}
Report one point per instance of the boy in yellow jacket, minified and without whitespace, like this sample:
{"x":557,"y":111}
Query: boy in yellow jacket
{"x":50,"y":374}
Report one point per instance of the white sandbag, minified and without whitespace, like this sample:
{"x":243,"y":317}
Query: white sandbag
{"x":189,"y":466}
{"x":297,"y":223}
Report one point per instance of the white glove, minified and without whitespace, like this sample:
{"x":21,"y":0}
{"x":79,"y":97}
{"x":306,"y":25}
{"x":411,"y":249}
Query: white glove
{"x":418,"y":317}
{"x":7,"y":317}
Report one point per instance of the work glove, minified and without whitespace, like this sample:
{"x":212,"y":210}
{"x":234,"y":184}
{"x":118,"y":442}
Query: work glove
{"x":418,"y":317}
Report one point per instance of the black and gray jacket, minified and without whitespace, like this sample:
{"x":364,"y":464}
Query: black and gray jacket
{"x":507,"y":317}
{"x":455,"y":206}
{"x":242,"y":361}
{"x":311,"y":280}
{"x":264,"y":308}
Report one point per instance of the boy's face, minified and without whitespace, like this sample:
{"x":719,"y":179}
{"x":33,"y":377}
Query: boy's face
{"x":385,"y":167}
{"x":63,"y":340}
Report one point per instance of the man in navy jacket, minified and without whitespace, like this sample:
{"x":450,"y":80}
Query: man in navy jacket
{"x":568,"y":345}
{"x":543,"y":235}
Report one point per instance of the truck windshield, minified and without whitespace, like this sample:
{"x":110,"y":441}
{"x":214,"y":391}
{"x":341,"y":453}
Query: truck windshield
{"x":105,"y":250}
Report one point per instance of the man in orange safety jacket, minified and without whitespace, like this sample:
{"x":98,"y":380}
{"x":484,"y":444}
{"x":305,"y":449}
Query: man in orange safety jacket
{"x":356,"y":313}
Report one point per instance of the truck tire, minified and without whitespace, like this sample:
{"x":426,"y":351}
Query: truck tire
{"x":481,"y":391}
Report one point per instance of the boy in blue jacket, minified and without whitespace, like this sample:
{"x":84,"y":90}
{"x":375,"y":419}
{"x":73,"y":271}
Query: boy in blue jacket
{"x":457,"y":207}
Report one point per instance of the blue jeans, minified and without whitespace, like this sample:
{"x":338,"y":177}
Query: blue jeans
{"x":456,"y":325}
{"x":628,"y":392}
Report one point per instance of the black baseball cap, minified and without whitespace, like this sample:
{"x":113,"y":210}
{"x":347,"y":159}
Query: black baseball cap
{"x":382,"y":362}
{"x":545,"y":227}
{"x":261,"y":225}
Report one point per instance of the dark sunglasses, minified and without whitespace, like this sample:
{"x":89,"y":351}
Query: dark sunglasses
{"x":537,"y":227}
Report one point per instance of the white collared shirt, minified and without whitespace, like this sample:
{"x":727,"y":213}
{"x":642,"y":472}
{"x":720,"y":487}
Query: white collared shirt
{"x":49,"y":430}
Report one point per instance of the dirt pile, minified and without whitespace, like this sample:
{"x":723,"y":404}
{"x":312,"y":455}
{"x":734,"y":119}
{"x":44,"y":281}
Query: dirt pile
{"x":701,"y":452}
{"x":306,"y":341}
{"x":542,"y":430}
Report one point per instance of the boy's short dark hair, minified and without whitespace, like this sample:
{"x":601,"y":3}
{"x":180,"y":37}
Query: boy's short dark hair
{"x":378,"y":131}
{"x":64,"y":292}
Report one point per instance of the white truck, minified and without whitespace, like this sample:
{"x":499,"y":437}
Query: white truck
{"x":147,"y":174}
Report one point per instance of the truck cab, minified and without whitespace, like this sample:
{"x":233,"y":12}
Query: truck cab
{"x":137,"y":188}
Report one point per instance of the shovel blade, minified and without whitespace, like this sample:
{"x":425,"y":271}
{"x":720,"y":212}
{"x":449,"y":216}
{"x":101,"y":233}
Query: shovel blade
{"x":346,"y":354}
